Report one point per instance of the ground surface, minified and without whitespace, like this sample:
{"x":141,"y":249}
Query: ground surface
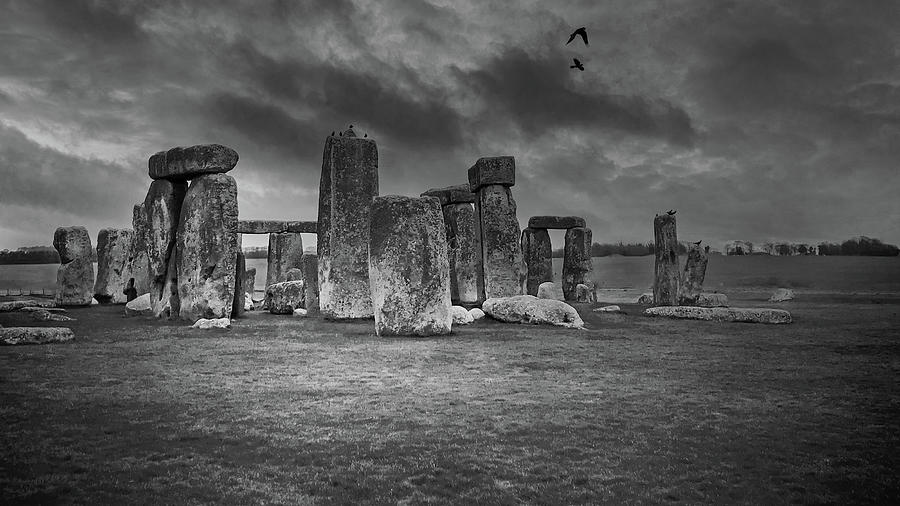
{"x":634,"y":410}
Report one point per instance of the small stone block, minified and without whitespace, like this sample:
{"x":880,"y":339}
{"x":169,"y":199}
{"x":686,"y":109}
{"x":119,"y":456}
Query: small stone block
{"x":492,"y":170}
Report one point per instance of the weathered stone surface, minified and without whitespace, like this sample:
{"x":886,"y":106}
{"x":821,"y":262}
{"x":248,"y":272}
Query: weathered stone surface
{"x":712,"y":300}
{"x":666,"y":280}
{"x":179,"y":164}
{"x":492,"y":170}
{"x":550,"y":290}
{"x":693,"y":276}
{"x":249,"y":283}
{"x":293,"y":274}
{"x":530,"y":309}
{"x":248,"y":302}
{"x":310,"y":266}
{"x":113,"y":247}
{"x":237,"y":303}
{"x":608,"y":309}
{"x":75,"y":283}
{"x":35,"y":335}
{"x":476,"y":313}
{"x":722,"y":314}
{"x":300,"y":312}
{"x":33,"y":309}
{"x":464,"y":252}
{"x":349,"y":181}
{"x":537,"y":255}
{"x":72,"y":243}
{"x":782,"y":295}
{"x":504,"y":272}
{"x":44,"y":315}
{"x":276,"y":227}
{"x":645,"y":298}
{"x":15,"y":305}
{"x":162,"y":210}
{"x":458,"y":194}
{"x":140,"y":306}
{"x":556,"y":222}
{"x":138,"y":266}
{"x":284,"y":297}
{"x":408,"y":267}
{"x":583,"y":293}
{"x":212,"y":323}
{"x":577,"y":262}
{"x":461,"y":315}
{"x":207,"y":248}
{"x":285,"y":253}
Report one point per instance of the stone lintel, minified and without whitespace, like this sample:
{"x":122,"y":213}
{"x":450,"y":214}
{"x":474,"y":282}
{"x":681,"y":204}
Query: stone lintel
{"x":276,"y":227}
{"x":556,"y":222}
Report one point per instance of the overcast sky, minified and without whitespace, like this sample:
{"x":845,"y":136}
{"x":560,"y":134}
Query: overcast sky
{"x":756,"y":120}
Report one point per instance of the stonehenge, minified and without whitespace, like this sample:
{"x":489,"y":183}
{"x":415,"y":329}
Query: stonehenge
{"x":285,"y":253}
{"x":576,"y":260}
{"x":536,"y":249}
{"x":463,"y":243}
{"x":138,"y":265}
{"x":276,"y":227}
{"x":113,"y":247}
{"x":536,"y":252}
{"x":666,"y":279}
{"x":348,"y":183}
{"x":75,"y":276}
{"x":181,"y":164}
{"x":162,"y":210}
{"x":693,"y":276}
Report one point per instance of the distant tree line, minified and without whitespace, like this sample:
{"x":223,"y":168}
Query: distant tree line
{"x":632,"y":249}
{"x":34,"y":255}
{"x":859,"y":246}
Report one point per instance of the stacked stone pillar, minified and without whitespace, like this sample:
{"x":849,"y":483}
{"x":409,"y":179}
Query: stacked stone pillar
{"x":463,"y":242}
{"x":409,"y":270}
{"x":666,"y":278}
{"x":348,"y":184}
{"x":75,"y":276}
{"x":576,"y":253}
{"x":113,"y":248}
{"x":502,"y":270}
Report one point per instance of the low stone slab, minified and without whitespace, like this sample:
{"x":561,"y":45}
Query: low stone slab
{"x":721,"y":314}
{"x":609,"y":309}
{"x":276,"y":227}
{"x":782,"y":295}
{"x":461,"y":315}
{"x":712,"y":300}
{"x":285,"y":297}
{"x":457,"y":194}
{"x":139,"y":306}
{"x":16,"y":305}
{"x":35,"y":335}
{"x":556,"y":222}
{"x":180,"y":163}
{"x":44,"y":315}
{"x":492,"y":170}
{"x":35,"y":309}
{"x":476,"y":313}
{"x":550,"y":290}
{"x":530,"y":309}
{"x":212,"y":323}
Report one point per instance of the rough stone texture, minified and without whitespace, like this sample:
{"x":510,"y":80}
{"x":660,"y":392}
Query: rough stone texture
{"x":113,"y":247}
{"x":276,"y":227}
{"x":310,"y":266}
{"x":44,"y":315}
{"x":458,"y":194}
{"x":666,"y":278}
{"x":15,"y":305}
{"x":249,"y":283}
{"x":409,"y":270}
{"x":584,"y":294}
{"x":461,"y":315}
{"x":179,"y":164}
{"x":300,"y":312}
{"x":138,"y":257}
{"x":550,"y":290}
{"x":645,"y":298}
{"x":693,"y":276}
{"x":35,"y":335}
{"x":72,"y":243}
{"x":75,"y":277}
{"x":212,"y":323}
{"x":721,"y":314}
{"x":293,"y":274}
{"x":504,"y":271}
{"x":139,"y":307}
{"x":712,"y":300}
{"x":608,"y":309}
{"x":240,"y":267}
{"x":207,"y":248}
{"x":556,"y":222}
{"x":33,"y":309}
{"x":285,"y":253}
{"x":576,"y":260}
{"x":530,"y":309}
{"x":493,"y":170}
{"x":284,"y":297}
{"x":782,"y":295}
{"x":476,"y":313}
{"x":162,"y":209}
{"x":464,"y":252}
{"x":537,"y":255}
{"x":248,"y":302}
{"x":349,"y":181}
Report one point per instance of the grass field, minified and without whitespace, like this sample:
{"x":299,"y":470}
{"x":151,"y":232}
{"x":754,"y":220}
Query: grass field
{"x":634,"y":410}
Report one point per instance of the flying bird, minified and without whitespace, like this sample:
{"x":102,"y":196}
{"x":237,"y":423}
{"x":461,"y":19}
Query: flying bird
{"x":577,"y":65}
{"x":670,"y":212}
{"x":581,"y":31}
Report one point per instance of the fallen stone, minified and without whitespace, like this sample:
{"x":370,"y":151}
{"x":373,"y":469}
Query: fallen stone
{"x":537,"y":255}
{"x":16,"y":305}
{"x":300,"y":312}
{"x":75,"y":283}
{"x":494,"y":170}
{"x":409,"y":269}
{"x":140,"y":306}
{"x":35,"y":335}
{"x":284,"y":297}
{"x":32,"y":309}
{"x":476,"y":313}
{"x":712,"y":300}
{"x":644,"y":298}
{"x":162,"y":212}
{"x":608,"y":309}
{"x":782,"y":295}
{"x":556,"y":222}
{"x":719,"y":314}
{"x":577,"y":263}
{"x":583,"y":293}
{"x":207,"y":248}
{"x":44,"y":315}
{"x":530,"y":309}
{"x":457,"y":194}
{"x":276,"y":227}
{"x":285,"y":254}
{"x":72,"y":243}
{"x":212,"y":323}
{"x":461,"y":315}
{"x":502,"y":264}
{"x":550,"y":290}
{"x":179,"y":164}
{"x":113,"y":247}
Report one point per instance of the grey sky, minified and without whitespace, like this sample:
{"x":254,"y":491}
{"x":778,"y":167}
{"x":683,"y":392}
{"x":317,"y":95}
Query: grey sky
{"x":757,"y":120}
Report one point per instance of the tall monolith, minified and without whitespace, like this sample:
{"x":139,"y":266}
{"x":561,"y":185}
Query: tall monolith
{"x":162,"y":209}
{"x":75,"y":276}
{"x":693,"y":276}
{"x":537,"y":253}
{"x":138,"y":259}
{"x":666,"y":274}
{"x":113,"y":248}
{"x":285,"y":253}
{"x":576,"y":260}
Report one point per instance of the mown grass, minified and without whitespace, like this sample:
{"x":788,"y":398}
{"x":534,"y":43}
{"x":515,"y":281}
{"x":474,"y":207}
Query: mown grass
{"x":634,"y":410}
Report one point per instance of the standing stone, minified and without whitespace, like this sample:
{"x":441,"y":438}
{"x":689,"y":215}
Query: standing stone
{"x":113,"y":247}
{"x":75,"y":277}
{"x":250,"y":281}
{"x":138,"y":258}
{"x":207,"y":248}
{"x":693,"y":276}
{"x":537,"y":252}
{"x":464,"y":251}
{"x":309,"y":264}
{"x":408,"y":267}
{"x":237,"y":305}
{"x":349,"y":182}
{"x":666,"y":274}
{"x":285,"y":253}
{"x":576,"y":260}
{"x":162,"y":208}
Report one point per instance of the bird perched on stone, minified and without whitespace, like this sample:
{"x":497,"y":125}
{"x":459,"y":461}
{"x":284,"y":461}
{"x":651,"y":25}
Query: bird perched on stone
{"x":671,"y":212}
{"x":340,"y":134}
{"x":365,"y":135}
{"x":698,"y":242}
{"x":332,"y":133}
{"x":581,"y":31}
{"x":577,"y":65}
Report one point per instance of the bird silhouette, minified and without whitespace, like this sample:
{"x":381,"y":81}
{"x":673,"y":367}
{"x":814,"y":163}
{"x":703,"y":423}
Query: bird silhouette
{"x":332,"y":133}
{"x":698,"y":242}
{"x":365,"y":135}
{"x":670,"y":212}
{"x":351,"y":126}
{"x":581,"y":31}
{"x":340,"y":134}
{"x":577,"y":65}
